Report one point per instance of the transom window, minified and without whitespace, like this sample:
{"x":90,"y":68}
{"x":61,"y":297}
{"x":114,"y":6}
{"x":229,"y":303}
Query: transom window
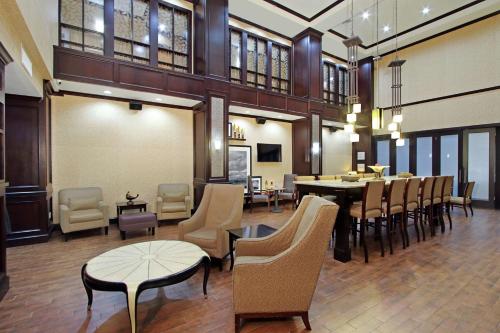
{"x":82,"y":25}
{"x":280,"y":65}
{"x":335,"y":83}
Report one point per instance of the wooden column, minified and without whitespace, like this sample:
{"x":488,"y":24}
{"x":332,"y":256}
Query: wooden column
{"x":29,"y":192}
{"x":211,"y":43}
{"x":307,"y":67}
{"x":5,"y":59}
{"x":301,"y":146}
{"x":365,"y":91}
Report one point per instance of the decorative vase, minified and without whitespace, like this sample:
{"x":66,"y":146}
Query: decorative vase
{"x":378,"y":169}
{"x":130,"y":198}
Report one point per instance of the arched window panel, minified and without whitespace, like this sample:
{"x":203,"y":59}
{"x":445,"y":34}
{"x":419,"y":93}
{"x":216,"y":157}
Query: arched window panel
{"x":82,"y":25}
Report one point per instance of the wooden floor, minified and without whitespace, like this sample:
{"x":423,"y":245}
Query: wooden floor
{"x":450,"y":283}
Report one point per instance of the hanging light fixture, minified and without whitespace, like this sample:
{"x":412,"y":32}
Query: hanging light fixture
{"x":353,"y":105}
{"x":377,"y":113}
{"x":400,"y":142}
{"x":396,"y":108}
{"x":349,"y":128}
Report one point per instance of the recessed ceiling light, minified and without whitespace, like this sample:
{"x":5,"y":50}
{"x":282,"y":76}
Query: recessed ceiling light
{"x":386,"y":28}
{"x":426,"y":10}
{"x":158,"y":99}
{"x":365,"y":15}
{"x":107,"y":92}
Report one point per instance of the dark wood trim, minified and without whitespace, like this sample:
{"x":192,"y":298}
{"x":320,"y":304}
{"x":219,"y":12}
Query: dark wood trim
{"x":303,"y":17}
{"x":463,"y":25}
{"x":109,"y":28}
{"x":241,"y":19}
{"x":334,"y":56}
{"x":434,"y":99}
{"x":252,"y":116}
{"x":120,"y":99}
{"x":418,"y":26}
{"x":153,"y":33}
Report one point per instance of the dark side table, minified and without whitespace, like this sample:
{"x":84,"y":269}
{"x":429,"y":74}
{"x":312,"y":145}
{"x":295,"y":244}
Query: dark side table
{"x":136,"y":204}
{"x":250,"y":231}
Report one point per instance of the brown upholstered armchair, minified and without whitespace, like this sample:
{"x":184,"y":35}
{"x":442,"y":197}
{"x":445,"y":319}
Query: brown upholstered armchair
{"x":220,"y":209}
{"x":277,"y":275}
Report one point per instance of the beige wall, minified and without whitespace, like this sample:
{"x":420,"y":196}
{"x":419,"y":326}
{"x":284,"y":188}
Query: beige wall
{"x":464,"y":60}
{"x":271,"y":132}
{"x":336,"y":152}
{"x":98,"y":142}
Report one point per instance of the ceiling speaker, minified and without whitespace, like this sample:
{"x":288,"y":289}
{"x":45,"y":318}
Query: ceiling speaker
{"x":134,"y":105}
{"x":260,"y":120}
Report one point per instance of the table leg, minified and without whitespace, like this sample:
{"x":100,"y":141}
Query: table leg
{"x":87,"y":289}
{"x":231,"y":250}
{"x":132,"y":305}
{"x":342,"y":249}
{"x":117,"y":212}
{"x":276,"y":208}
{"x":206,"y":262}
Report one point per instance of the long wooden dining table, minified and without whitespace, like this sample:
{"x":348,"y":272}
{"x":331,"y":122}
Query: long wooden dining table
{"x":346,"y":193}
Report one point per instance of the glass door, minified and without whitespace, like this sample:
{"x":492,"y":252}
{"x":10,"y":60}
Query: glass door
{"x":383,"y":154}
{"x":424,"y":156}
{"x":449,"y":159}
{"x":479,"y":163}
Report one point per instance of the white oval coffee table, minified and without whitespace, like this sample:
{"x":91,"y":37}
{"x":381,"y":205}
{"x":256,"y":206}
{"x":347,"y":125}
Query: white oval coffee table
{"x":134,"y":268}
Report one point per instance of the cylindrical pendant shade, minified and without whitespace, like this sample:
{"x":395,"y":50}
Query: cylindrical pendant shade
{"x":395,"y":135}
{"x":392,"y":127}
{"x":349,"y":128}
{"x":351,"y":117}
{"x":354,"y":137}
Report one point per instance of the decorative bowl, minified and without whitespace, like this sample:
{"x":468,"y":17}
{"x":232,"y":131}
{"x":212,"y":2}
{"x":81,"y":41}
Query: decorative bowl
{"x":348,"y":178}
{"x":378,"y":169}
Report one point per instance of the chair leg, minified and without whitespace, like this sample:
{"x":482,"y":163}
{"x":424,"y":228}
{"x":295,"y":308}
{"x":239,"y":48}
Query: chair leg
{"x":362,"y":238}
{"x":441,"y":217}
{"x":405,"y":227}
{"x":66,"y":237}
{"x":123,"y":234}
{"x":305,"y":319}
{"x":401,"y":231}
{"x":221,"y":264}
{"x":354,"y":226}
{"x":106,"y":230}
{"x":153,"y":231}
{"x":237,"y":323}
{"x":422,"y":225}
{"x":389,"y":232}
{"x":448,"y":213}
{"x":378,"y":228}
{"x":471,"y":211}
{"x":415,"y":223}
{"x":464,"y":206}
{"x":431,"y":219}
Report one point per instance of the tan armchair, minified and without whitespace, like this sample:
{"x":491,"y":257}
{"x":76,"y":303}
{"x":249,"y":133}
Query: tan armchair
{"x":220,"y":209}
{"x":276,"y":275}
{"x":173,"y":202}
{"x":82,"y":209}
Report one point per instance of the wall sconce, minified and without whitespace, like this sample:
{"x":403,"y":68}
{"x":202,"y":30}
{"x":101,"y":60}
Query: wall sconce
{"x":392,"y":127}
{"x":217,"y":144}
{"x":395,"y":135}
{"x":356,"y":108}
{"x":315,"y":148}
{"x":349,"y":128}
{"x":351,"y":117}
{"x":377,"y":119}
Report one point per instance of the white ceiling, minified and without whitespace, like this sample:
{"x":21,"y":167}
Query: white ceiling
{"x":262,"y":113}
{"x":94,"y":89}
{"x":338,"y":18}
{"x":19,"y":81}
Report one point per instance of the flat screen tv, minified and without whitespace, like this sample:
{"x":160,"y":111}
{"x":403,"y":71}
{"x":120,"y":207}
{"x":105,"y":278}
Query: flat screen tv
{"x":267,"y":152}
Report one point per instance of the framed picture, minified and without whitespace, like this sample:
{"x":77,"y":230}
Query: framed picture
{"x":230,"y":129}
{"x":257,"y":183}
{"x":240,"y":165}
{"x":361,"y":155}
{"x":361,"y":167}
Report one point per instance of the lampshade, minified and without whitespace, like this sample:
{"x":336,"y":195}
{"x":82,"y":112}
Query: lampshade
{"x":377,"y":119}
{"x":395,"y":135}
{"x":397,"y":118}
{"x":392,"y":127}
{"x":349,"y":128}
{"x":356,"y":108}
{"x":351,"y":117}
{"x":400,"y":142}
{"x":354,"y":137}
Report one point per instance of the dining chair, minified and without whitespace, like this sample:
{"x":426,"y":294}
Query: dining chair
{"x":465,"y":200}
{"x":254,"y":197}
{"x":425,"y":202}
{"x":447,"y":192}
{"x":369,"y":208}
{"x":411,"y":205}
{"x":437,"y":203}
{"x":394,"y":210}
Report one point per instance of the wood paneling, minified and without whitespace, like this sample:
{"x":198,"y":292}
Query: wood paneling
{"x":307,"y":71}
{"x":28,"y":169}
{"x":297,"y":105}
{"x":272,"y":101}
{"x":243,"y":95}
{"x":130,"y":75}
{"x":301,"y":146}
{"x":78,"y":66}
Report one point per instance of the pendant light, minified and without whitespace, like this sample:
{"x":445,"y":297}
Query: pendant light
{"x":377,"y":113}
{"x":396,"y":108}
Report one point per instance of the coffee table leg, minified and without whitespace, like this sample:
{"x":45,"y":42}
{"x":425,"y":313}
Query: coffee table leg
{"x":132,"y":305}
{"x":87,"y":289}
{"x":206,"y":262}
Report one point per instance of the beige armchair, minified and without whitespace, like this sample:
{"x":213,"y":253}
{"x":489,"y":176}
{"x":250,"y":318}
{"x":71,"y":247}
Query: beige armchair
{"x":82,"y":209}
{"x":276,"y":275}
{"x":173,"y":202}
{"x":221,"y":208}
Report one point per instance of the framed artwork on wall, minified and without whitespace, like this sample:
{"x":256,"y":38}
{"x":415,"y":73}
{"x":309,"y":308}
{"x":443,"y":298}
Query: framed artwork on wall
{"x":240,"y":165}
{"x":257,"y":183}
{"x":230,"y":129}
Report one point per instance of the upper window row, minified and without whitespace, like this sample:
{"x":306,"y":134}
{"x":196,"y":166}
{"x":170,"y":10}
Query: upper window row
{"x":259,"y":62}
{"x":335,"y":83}
{"x":82,"y":28}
